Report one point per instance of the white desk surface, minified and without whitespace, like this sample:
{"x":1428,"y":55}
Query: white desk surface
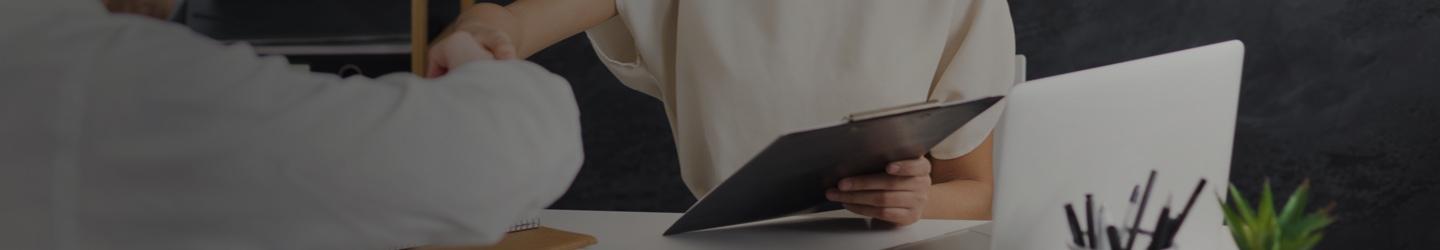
{"x":830,"y":230}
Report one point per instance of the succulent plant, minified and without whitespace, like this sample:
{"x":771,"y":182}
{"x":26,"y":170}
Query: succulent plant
{"x":1262,"y":229}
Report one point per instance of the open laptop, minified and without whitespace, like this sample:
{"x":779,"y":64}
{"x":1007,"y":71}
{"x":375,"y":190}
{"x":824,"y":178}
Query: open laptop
{"x":1102,"y":130}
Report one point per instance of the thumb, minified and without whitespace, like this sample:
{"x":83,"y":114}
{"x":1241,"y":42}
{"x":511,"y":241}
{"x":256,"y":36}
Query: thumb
{"x":454,"y":51}
{"x":435,"y":64}
{"x":461,"y":48}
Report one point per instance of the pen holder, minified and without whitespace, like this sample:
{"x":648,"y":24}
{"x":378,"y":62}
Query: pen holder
{"x":1105,"y":244}
{"x":1088,"y":235}
{"x":1072,"y":246}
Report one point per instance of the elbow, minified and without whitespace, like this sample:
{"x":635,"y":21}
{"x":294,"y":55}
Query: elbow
{"x":530,"y":109}
{"x":561,"y":142}
{"x":563,"y":116}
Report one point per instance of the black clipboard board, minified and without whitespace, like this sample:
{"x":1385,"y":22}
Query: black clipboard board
{"x":791,"y":175}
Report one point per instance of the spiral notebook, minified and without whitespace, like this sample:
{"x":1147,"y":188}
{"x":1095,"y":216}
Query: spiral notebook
{"x":528,"y":223}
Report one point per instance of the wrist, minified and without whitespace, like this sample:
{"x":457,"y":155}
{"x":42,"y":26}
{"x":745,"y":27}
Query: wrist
{"x":487,"y":17}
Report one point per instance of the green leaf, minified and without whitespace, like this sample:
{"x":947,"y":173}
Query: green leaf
{"x":1262,"y":228}
{"x":1251,"y":241}
{"x":1296,"y":204}
{"x":1241,"y":207}
{"x":1309,"y":224}
{"x":1233,"y":221}
{"x":1310,"y":241}
{"x":1265,"y":217}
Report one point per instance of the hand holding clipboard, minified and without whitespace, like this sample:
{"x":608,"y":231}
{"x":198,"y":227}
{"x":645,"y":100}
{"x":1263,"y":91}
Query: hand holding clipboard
{"x":792,"y":174}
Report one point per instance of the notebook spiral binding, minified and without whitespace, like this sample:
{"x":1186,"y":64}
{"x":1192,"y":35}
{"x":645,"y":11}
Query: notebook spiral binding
{"x":526,"y":224}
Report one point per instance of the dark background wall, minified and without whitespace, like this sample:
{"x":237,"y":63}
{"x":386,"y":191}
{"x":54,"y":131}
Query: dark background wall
{"x":1342,"y":92}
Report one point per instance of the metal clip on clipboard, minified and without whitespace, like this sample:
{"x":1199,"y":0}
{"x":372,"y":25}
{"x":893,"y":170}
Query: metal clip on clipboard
{"x":892,"y":111}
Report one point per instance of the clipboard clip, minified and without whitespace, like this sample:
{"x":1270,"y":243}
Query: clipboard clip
{"x":892,"y":111}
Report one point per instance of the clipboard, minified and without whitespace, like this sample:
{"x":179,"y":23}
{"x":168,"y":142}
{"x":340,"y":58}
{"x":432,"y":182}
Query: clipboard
{"x":791,"y":175}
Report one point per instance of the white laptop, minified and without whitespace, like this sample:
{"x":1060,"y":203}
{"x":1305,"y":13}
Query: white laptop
{"x":1102,"y":130}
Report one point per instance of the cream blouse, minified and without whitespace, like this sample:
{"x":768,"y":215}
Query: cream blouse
{"x":736,"y":74}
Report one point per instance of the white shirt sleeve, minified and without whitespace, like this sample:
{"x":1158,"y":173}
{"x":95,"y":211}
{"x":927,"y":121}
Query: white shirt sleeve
{"x":189,"y":144}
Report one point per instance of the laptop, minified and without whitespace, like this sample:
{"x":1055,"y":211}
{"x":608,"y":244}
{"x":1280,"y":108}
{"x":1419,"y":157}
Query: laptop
{"x":1102,"y":131}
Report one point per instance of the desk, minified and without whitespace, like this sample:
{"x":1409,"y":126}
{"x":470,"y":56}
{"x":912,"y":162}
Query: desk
{"x":830,"y":230}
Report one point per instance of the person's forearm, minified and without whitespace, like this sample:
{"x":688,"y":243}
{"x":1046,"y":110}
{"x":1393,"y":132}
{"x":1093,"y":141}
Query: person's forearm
{"x":545,"y":22}
{"x":394,"y":161}
{"x":964,"y":186}
{"x":534,"y":25}
{"x":960,"y":199}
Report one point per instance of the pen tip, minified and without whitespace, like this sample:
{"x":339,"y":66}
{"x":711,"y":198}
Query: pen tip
{"x":1134,"y":192}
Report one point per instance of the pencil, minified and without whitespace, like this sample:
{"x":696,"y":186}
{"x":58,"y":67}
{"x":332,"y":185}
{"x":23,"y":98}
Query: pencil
{"x":1175,"y":227}
{"x":1091,"y":233}
{"x":1114,"y":237}
{"x":1074,"y":225}
{"x":1130,"y":243}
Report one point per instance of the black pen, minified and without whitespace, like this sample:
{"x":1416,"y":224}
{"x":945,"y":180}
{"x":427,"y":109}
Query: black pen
{"x":1114,"y":236}
{"x":1130,"y":206}
{"x":1175,"y":227}
{"x":1157,"y":237}
{"x":1130,"y":243}
{"x":1091,"y":233}
{"x":1074,"y":225}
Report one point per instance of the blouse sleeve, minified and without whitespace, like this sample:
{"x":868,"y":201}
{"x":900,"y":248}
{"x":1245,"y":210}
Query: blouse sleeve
{"x":637,"y":44}
{"x":980,"y":64}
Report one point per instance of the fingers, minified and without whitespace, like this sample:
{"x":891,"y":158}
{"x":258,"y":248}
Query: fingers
{"x":901,"y":207}
{"x":883,"y":182}
{"x":900,"y":175}
{"x":498,"y":43}
{"x":914,"y":167}
{"x":892,"y":199}
{"x":460,"y":49}
{"x":435,"y":64}
{"x":453,"y":51}
{"x":895,"y":196}
{"x":899,"y":216}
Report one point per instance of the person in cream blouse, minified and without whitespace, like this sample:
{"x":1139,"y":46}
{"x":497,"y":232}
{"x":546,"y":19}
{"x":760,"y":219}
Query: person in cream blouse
{"x":734,"y":75}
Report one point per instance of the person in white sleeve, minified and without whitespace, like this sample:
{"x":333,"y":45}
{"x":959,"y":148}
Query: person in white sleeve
{"x":734,"y":75}
{"x":121,"y":132}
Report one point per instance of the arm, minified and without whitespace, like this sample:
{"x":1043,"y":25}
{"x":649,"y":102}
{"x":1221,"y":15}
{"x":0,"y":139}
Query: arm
{"x":981,"y":66}
{"x":528,"y":26}
{"x":963,"y":186}
{"x":521,"y":29}
{"x":243,"y":148}
{"x":544,"y":22}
